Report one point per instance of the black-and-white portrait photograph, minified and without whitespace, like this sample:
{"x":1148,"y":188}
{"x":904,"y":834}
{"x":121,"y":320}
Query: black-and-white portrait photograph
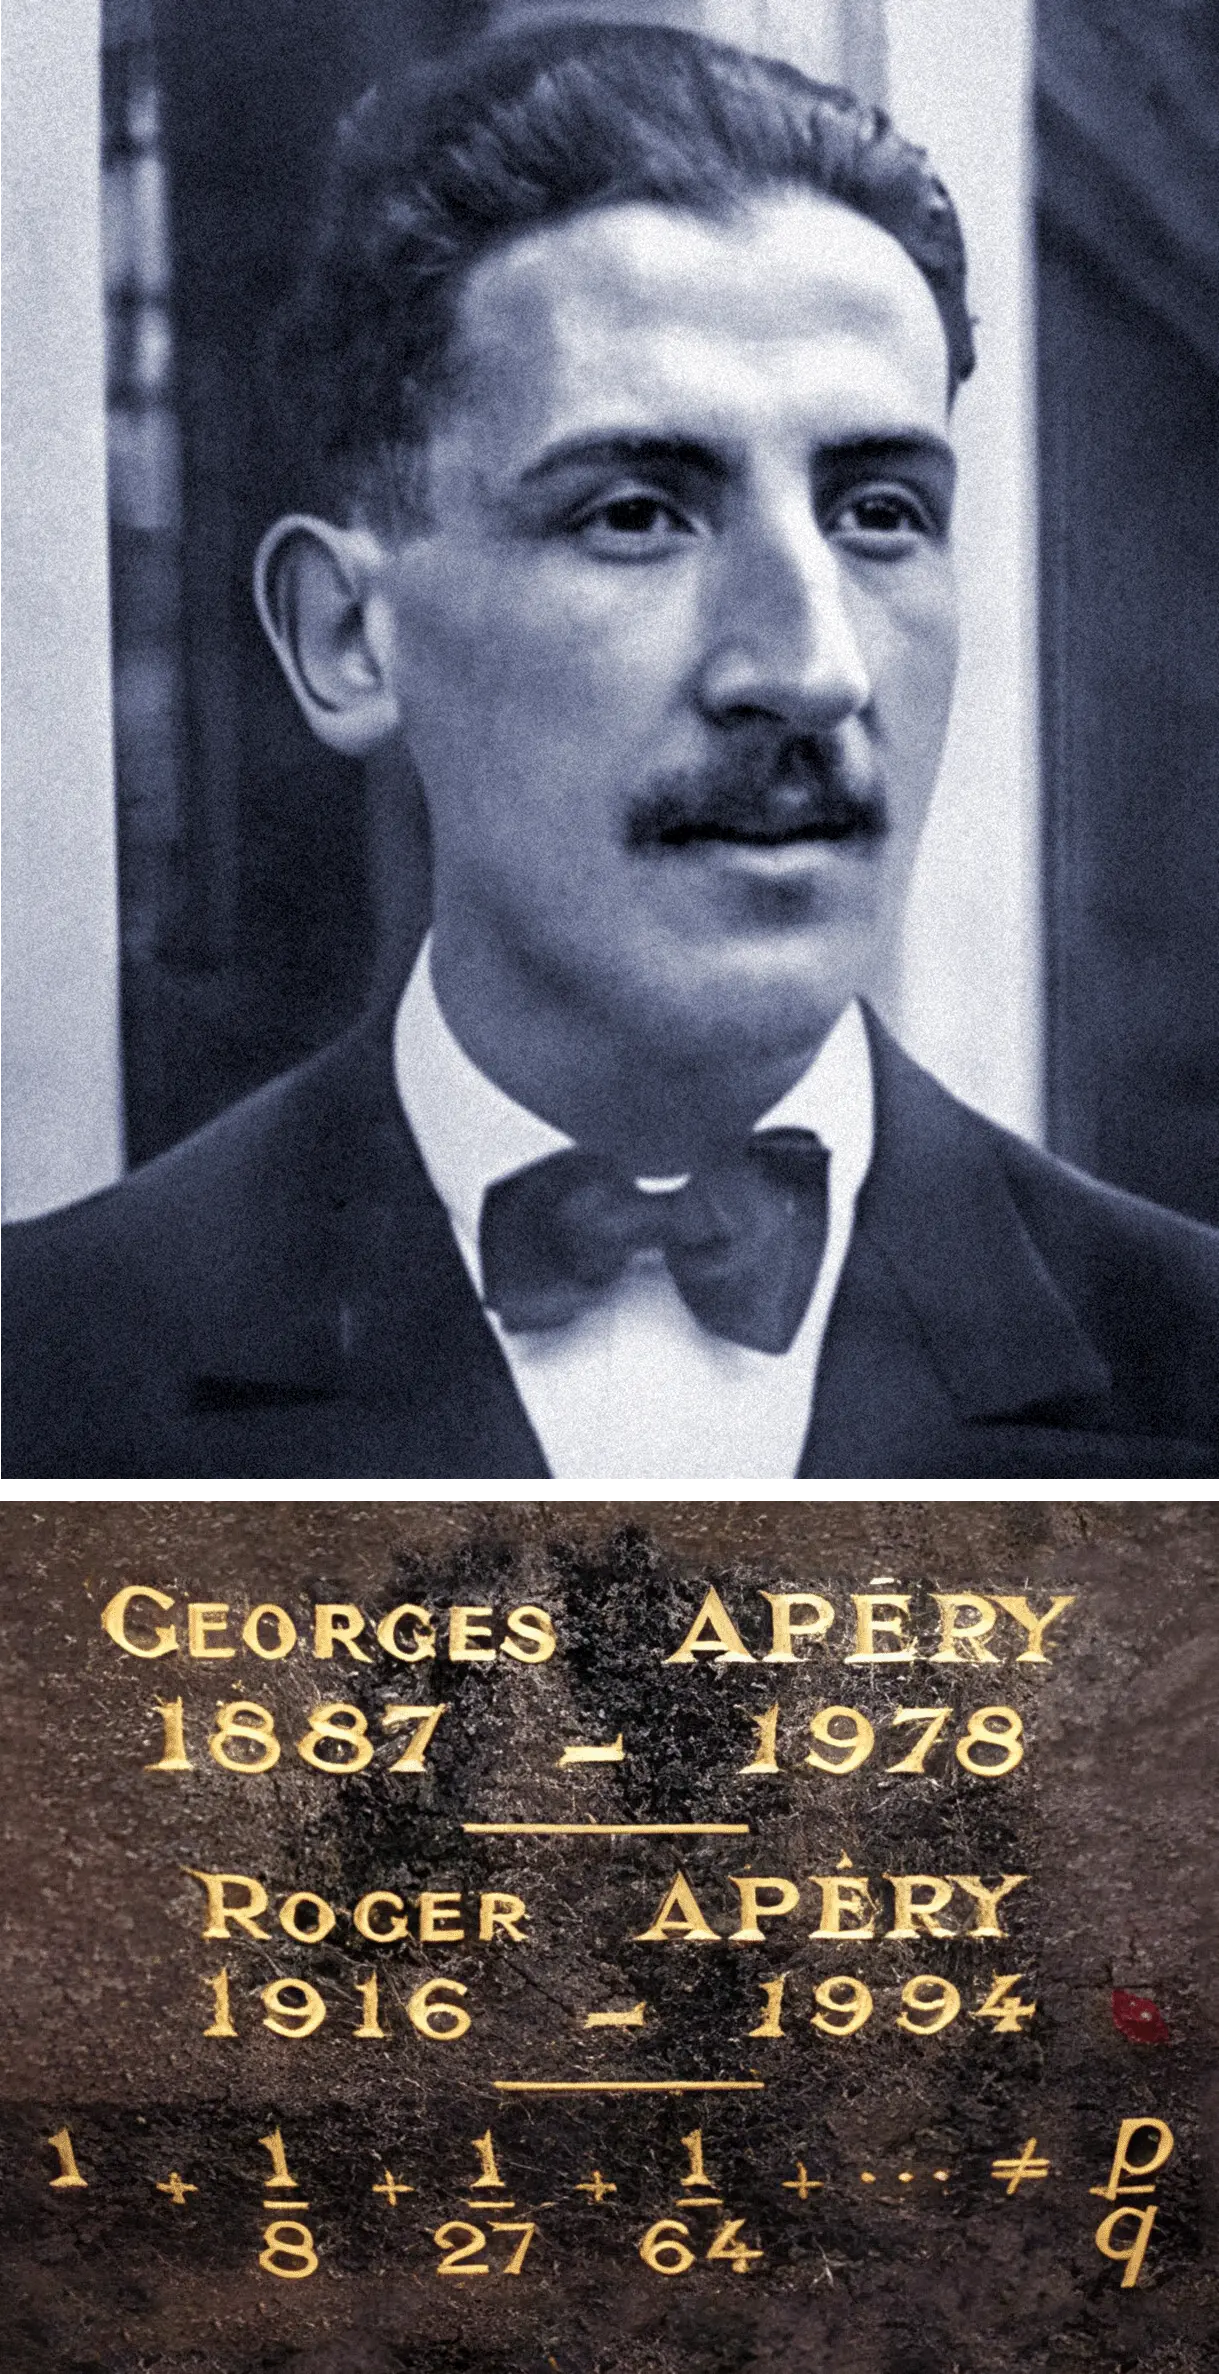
{"x":612,"y":740}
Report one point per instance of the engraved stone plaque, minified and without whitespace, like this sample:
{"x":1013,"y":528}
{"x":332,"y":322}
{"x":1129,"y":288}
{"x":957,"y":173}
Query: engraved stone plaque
{"x":610,"y":1938}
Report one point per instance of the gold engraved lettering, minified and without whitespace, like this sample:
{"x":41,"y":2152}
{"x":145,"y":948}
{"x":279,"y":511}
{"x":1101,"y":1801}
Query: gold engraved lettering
{"x":394,"y":1928}
{"x":935,"y":2003}
{"x":439,"y":1923}
{"x":1124,"y":2166}
{"x":174,"y":1758}
{"x":243,"y":1719}
{"x":634,"y":2018}
{"x":496,"y":1911}
{"x":935,"y":1718}
{"x":1144,"y":2220}
{"x":964,"y":1643}
{"x":1028,"y":2169}
{"x":678,"y":1917}
{"x":615,"y":1753}
{"x":467,"y":1631}
{"x":280,"y":2180}
{"x":712,"y":1634}
{"x":293,"y":2007}
{"x":802,"y":2183}
{"x":460,"y":2243}
{"x":533,"y":1627}
{"x":766,"y":1759}
{"x":222,"y":2019}
{"x":285,"y":1631}
{"x":784,"y":1630}
{"x":426,"y":1717}
{"x":203,"y":1617}
{"x":771,"y":2022}
{"x":845,"y":2004}
{"x":696,"y":2173}
{"x":597,"y":2186}
{"x":917,"y":1899}
{"x":841,"y":1894}
{"x":370,"y":2024}
{"x":290,"y":1911}
{"x":176,"y":2189}
{"x":288,"y":2250}
{"x":1035,"y":1626}
{"x":345,"y":1728}
{"x":514,"y":2265}
{"x":483,"y":2147}
{"x":784,"y":1897}
{"x":869,"y":1620}
{"x":114,"y":1616}
{"x":727,"y":2246}
{"x":1004,"y":2008}
{"x":391,"y":2188}
{"x":987,"y":1900}
{"x":996,"y":1728}
{"x":424,"y":1642}
{"x":849,"y":1752}
{"x":220,"y":1913}
{"x":69,"y":2178}
{"x":338,"y":1622}
{"x":663,"y":2247}
{"x":427,"y":2008}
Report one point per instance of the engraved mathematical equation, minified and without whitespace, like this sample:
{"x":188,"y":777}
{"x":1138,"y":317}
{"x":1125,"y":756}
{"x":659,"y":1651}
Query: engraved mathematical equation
{"x":499,"y":2243}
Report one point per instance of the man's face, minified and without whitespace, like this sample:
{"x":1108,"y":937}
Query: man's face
{"x":674,"y":652}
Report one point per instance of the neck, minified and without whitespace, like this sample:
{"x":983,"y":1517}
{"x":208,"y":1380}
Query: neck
{"x":650,"y":1102}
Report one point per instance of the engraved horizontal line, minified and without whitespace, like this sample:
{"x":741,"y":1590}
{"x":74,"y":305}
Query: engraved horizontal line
{"x":606,"y":1829}
{"x":630,"y":2085}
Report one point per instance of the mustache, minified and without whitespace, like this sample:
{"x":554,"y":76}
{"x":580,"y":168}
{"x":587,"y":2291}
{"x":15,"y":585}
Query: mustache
{"x":765,"y":788}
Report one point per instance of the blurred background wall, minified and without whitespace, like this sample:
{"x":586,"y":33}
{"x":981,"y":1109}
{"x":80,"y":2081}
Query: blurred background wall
{"x":1059,"y":968}
{"x":62,"y":1100}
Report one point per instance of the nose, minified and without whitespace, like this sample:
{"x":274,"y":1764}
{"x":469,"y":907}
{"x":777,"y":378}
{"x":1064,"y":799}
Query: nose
{"x":782,"y":641}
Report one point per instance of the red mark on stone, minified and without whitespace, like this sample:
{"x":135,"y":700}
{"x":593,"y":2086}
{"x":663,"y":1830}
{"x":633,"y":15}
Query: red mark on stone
{"x":1138,"y":2018}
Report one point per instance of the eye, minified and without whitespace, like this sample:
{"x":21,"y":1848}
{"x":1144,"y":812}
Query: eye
{"x":884,"y":522}
{"x":632,"y":526}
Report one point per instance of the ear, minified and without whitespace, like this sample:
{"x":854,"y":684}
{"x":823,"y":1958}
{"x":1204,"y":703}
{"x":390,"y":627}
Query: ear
{"x":319,"y":595}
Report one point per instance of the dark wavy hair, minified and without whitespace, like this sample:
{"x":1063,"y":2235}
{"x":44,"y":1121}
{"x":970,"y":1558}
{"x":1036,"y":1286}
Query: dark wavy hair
{"x":533,"y":128}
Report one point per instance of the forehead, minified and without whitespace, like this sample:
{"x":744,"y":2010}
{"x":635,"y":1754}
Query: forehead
{"x":796,"y":313}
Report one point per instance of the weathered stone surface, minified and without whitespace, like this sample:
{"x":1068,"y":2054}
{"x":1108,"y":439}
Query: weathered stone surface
{"x":1111,"y":1813}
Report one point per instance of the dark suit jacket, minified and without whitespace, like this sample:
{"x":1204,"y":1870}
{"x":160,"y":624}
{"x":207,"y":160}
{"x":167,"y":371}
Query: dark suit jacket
{"x":282,"y":1296}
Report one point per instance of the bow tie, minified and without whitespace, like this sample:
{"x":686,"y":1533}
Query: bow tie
{"x":743,"y":1239}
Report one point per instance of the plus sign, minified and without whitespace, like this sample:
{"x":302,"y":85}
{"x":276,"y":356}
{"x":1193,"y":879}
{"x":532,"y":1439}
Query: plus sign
{"x":597,"y":2186}
{"x":391,"y":2188}
{"x":1022,"y":2171}
{"x":804,"y":2184}
{"x":176,"y":2189}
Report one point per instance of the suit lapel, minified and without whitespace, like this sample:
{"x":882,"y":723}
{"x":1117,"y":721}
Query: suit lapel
{"x":371,"y":1330}
{"x":947,"y":1319}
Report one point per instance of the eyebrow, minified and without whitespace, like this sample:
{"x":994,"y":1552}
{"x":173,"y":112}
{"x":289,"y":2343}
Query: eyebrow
{"x":620,"y":450}
{"x":894,"y":446}
{"x":626,"y":451}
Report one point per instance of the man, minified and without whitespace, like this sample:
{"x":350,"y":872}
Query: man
{"x":631,"y":358}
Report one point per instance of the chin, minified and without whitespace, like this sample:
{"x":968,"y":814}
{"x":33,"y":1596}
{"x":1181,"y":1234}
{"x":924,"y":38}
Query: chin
{"x":733,"y":1005}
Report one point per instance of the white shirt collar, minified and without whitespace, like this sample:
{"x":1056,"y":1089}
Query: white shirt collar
{"x":471,"y":1133}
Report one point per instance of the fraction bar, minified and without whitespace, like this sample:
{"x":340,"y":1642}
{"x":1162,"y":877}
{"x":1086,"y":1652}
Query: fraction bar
{"x":606,"y":1829}
{"x":630,"y":2085}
